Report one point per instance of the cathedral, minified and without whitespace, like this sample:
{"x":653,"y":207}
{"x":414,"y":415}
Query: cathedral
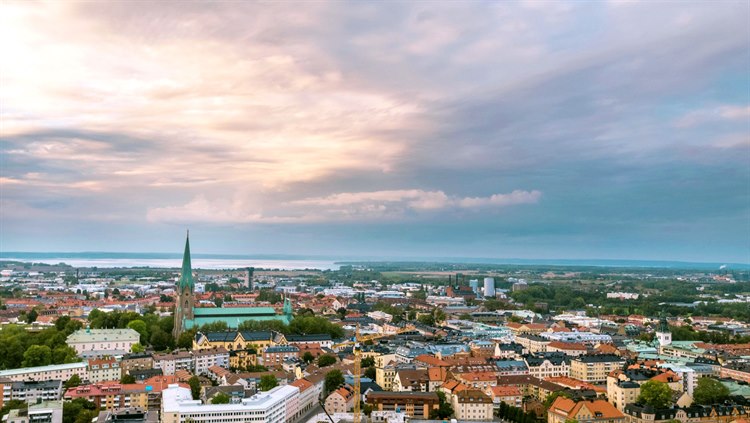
{"x":186,"y":316}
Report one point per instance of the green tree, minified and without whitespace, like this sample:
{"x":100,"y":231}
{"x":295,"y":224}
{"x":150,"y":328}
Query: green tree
{"x":140,"y":327}
{"x":334,"y":380}
{"x":160,"y":339}
{"x":220,"y":398}
{"x":37,"y":355}
{"x":185,"y":340}
{"x":31,"y":317}
{"x":370,"y":372}
{"x":268,"y":382}
{"x":444,"y":410}
{"x":307,"y":357}
{"x":553,"y":396}
{"x":195,"y":387}
{"x":12,"y":405}
{"x":656,"y":394}
{"x":78,"y":410}
{"x":137,"y":348}
{"x":74,"y":381}
{"x":127,"y":378}
{"x":367,"y":362}
{"x":709,"y":391}
{"x":326,"y":360}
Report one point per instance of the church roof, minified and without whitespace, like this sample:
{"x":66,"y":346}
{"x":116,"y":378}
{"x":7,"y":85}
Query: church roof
{"x":234,"y":311}
{"x":186,"y":276}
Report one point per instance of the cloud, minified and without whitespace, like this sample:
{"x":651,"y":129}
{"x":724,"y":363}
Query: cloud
{"x":390,"y":205}
{"x":727,"y":113}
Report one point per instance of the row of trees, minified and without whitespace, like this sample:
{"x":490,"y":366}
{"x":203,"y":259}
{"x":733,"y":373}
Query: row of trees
{"x":659,"y":395}
{"x":515,"y":414}
{"x":21,"y":348}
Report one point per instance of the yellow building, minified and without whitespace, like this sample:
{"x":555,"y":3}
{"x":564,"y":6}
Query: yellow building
{"x":385,"y":371}
{"x":598,"y":411}
{"x":595,"y":368}
{"x":238,"y":340}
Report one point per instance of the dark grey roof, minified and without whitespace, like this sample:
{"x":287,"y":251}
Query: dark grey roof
{"x":599,"y":358}
{"x":313,"y":337}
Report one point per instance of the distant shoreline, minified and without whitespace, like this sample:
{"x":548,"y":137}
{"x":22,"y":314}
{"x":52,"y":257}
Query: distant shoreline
{"x":280,"y":261}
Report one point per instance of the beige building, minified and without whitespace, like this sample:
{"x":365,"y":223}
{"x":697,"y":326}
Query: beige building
{"x":90,"y":343}
{"x":598,"y":411}
{"x":104,"y":370}
{"x":595,"y":368}
{"x":385,"y":371}
{"x":472,"y":404}
{"x":340,"y":400}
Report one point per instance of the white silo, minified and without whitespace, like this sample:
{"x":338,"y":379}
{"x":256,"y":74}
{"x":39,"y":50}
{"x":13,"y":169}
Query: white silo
{"x":489,"y":287}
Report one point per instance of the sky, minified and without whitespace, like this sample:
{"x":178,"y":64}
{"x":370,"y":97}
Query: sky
{"x":532,"y":129}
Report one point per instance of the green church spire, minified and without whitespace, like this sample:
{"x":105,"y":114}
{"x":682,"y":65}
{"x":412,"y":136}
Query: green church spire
{"x":186,"y":277}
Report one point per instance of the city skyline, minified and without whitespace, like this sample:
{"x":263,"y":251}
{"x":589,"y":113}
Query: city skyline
{"x":539,"y":130}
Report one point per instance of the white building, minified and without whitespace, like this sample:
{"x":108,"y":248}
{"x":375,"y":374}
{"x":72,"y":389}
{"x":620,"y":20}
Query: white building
{"x":54,"y":372}
{"x":279,"y":405}
{"x":489,"y":287}
{"x":102,"y":342}
{"x":170,"y":363}
{"x":44,"y":412}
{"x":203,"y":359}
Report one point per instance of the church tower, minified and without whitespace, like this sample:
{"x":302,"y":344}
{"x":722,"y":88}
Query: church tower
{"x":663,"y":335}
{"x":185,"y":293}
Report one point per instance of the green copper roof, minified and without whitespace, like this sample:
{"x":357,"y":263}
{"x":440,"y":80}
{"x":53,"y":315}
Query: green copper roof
{"x":234,"y":311}
{"x":186,"y":277}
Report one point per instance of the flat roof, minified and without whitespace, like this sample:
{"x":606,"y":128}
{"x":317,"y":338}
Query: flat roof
{"x":50,"y":368}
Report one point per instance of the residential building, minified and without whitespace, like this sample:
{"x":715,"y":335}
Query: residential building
{"x":595,"y":368}
{"x":472,"y":404}
{"x":340,"y":400}
{"x":569,"y":348}
{"x":169,"y":363}
{"x":507,"y":394}
{"x":104,"y":369}
{"x":548,"y":365}
{"x":532,"y":343}
{"x":90,"y":343}
{"x":128,"y":415}
{"x":598,"y":411}
{"x":112,"y":396}
{"x":385,"y":371}
{"x":412,"y":380}
{"x":324,"y":340}
{"x":719,"y":413}
{"x":32,"y":391}
{"x":308,"y":396}
{"x":52,"y":372}
{"x":136,"y":361}
{"x":274,"y":357}
{"x":417,"y":405}
{"x":207,"y":358}
{"x":279,"y":405}
{"x":42,"y":412}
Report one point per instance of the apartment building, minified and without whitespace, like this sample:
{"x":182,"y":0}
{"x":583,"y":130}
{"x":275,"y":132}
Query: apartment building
{"x":275,"y":356}
{"x":104,"y":370}
{"x":112,"y":396}
{"x":92,"y":343}
{"x":546,"y":365}
{"x":32,"y":391}
{"x":472,"y":404}
{"x":417,"y":405}
{"x":136,"y":361}
{"x":207,"y":358}
{"x":43,"y":412}
{"x":279,"y":405}
{"x":171,"y":362}
{"x":340,"y":400}
{"x":532,"y":343}
{"x":595,"y":368}
{"x":52,"y":372}
{"x":598,"y":411}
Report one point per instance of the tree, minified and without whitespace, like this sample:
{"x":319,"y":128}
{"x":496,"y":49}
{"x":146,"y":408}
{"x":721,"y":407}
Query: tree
{"x":137,"y":348}
{"x":307,"y":357}
{"x":268,"y":382}
{"x":370,"y":372}
{"x":444,"y":411}
{"x":553,"y":396}
{"x":127,"y":378}
{"x":31,"y":317}
{"x":220,"y":398}
{"x":195,"y":387}
{"x":656,"y":394}
{"x":74,"y":381}
{"x":140,"y":327}
{"x":709,"y":391}
{"x":426,"y":319}
{"x":78,"y":411}
{"x":12,"y":405}
{"x":160,"y":339}
{"x":37,"y":355}
{"x":368,"y":361}
{"x":185,"y":340}
{"x":334,"y":380}
{"x":326,"y":360}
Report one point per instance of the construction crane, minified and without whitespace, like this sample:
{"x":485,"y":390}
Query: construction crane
{"x":356,"y":344}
